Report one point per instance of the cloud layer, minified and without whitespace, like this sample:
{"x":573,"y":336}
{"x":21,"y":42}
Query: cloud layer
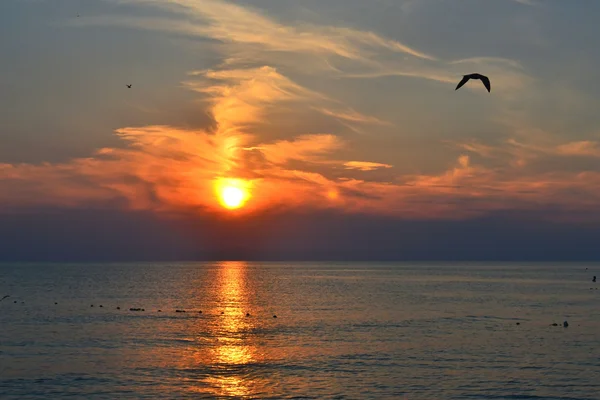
{"x":288,"y":119}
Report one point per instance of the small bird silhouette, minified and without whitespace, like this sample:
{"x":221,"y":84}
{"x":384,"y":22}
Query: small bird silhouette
{"x":483,"y":78}
{"x":5,"y":297}
{"x":129,"y":86}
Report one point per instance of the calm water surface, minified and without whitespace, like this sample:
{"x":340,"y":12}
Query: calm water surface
{"x":343,"y":330}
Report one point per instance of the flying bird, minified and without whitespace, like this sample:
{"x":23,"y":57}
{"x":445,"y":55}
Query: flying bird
{"x":5,"y":297}
{"x":483,"y":78}
{"x":129,"y":86}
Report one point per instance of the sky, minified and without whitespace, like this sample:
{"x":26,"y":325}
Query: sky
{"x":336,"y":123}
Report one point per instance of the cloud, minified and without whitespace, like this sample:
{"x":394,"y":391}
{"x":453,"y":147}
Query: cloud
{"x":582,"y":148}
{"x":325,"y":58}
{"x":519,"y":153}
{"x":168,"y":169}
{"x":245,"y":95}
{"x":247,"y":35}
{"x":277,"y":133}
{"x":365,"y":166}
{"x":232,"y":23}
{"x":527,"y":2}
{"x":354,"y":116}
{"x":305,"y":147}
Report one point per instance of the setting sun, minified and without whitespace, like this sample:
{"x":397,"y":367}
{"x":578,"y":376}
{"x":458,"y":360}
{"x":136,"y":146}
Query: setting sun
{"x":232,"y":197}
{"x":232,"y":193}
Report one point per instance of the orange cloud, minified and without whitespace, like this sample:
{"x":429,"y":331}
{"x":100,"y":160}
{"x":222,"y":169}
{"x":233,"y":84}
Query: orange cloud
{"x":164,"y":168}
{"x":365,"y":166}
{"x":583,"y":148}
{"x":303,"y":148}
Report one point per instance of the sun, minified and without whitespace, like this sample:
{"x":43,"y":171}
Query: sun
{"x":232,"y":197}
{"x":232,"y":193}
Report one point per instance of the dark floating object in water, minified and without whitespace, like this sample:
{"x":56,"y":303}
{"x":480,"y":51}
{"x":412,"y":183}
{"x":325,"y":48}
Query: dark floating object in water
{"x":565,"y":324}
{"x":143,"y":309}
{"x":100,"y":305}
{"x":222,"y":312}
{"x":136,"y":309}
{"x":179,"y":310}
{"x":91,"y":305}
{"x":247,"y":314}
{"x":518,"y":323}
{"x":118,"y":308}
{"x":15,"y":302}
{"x":594,"y":278}
{"x":200,"y":312}
{"x":55,"y":303}
{"x":159,"y":311}
{"x":275,"y":316}
{"x":555,"y":324}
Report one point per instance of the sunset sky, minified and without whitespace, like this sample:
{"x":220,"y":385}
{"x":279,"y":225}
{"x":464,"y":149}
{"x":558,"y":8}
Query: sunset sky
{"x":332,"y":125}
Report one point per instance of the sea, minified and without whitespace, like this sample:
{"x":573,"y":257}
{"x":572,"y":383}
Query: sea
{"x":299,"y":330}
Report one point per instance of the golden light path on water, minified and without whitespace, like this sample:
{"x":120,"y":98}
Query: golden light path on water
{"x":217,"y":352}
{"x":232,"y":349}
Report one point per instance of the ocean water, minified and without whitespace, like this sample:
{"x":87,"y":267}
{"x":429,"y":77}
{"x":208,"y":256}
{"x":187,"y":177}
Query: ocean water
{"x":343,"y":331}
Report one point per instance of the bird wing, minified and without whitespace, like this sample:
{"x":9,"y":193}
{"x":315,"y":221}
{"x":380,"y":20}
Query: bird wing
{"x":464,"y":80}
{"x":486,"y":83}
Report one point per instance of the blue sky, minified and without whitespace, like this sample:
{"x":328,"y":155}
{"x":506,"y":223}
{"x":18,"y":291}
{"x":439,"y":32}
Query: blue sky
{"x":338,"y":106}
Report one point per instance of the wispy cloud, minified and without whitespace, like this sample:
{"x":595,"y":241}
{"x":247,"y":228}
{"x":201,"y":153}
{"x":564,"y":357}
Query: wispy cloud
{"x":232,"y":23}
{"x":527,"y":2}
{"x":365,"y":166}
{"x":584,"y":148}
{"x":248,"y":35}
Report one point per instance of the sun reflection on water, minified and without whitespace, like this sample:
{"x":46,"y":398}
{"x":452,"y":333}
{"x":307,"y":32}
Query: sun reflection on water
{"x":215,"y":353}
{"x":233,"y":350}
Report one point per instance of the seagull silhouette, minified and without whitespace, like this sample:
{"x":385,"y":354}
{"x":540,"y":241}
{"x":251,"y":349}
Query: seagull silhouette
{"x":483,"y":78}
{"x":5,"y":297}
{"x":129,"y":86}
